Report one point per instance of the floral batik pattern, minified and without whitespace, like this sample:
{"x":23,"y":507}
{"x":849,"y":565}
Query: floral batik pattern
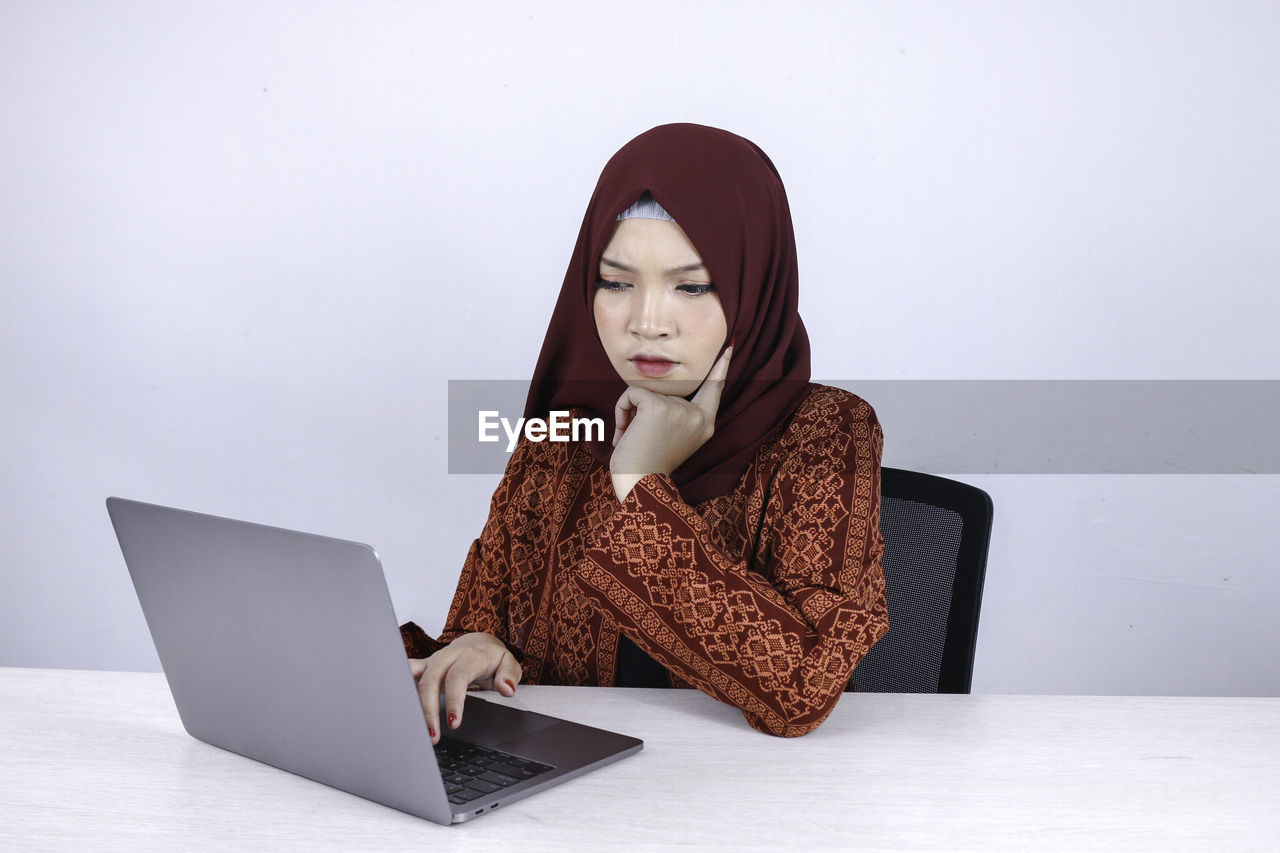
{"x":765,"y":598}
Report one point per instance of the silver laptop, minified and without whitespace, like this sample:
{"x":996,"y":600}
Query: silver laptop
{"x":283,"y":647}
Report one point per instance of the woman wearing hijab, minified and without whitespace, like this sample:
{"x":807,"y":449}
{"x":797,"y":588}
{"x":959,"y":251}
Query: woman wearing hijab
{"x":725,"y":533}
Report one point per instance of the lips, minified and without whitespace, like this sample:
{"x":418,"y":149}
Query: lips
{"x":652,"y":365}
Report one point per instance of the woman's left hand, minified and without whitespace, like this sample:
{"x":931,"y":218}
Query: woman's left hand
{"x":656,"y":432}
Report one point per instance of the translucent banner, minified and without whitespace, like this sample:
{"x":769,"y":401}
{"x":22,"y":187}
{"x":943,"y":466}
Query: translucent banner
{"x":978,"y":426}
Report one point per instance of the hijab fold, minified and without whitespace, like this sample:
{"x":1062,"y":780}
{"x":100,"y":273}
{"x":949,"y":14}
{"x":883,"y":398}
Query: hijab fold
{"x":729,"y":199}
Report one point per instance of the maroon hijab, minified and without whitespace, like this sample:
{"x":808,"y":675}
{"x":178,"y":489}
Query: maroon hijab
{"x":727,"y":196}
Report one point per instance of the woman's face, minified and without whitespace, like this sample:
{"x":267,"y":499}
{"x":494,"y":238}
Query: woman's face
{"x":657,"y":312}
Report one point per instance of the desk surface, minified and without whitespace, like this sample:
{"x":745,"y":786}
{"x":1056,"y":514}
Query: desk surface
{"x":99,"y":760}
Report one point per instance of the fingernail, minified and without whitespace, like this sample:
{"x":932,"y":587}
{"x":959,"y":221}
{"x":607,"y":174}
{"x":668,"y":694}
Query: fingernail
{"x":733,"y":341}
{"x":453,"y":720}
{"x":431,"y":731}
{"x":509,"y":683}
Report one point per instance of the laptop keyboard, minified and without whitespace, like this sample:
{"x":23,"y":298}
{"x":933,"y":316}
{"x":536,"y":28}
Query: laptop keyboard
{"x":471,"y":771}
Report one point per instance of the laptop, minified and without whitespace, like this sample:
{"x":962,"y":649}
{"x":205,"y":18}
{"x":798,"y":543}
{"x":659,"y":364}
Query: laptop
{"x":283,"y":647}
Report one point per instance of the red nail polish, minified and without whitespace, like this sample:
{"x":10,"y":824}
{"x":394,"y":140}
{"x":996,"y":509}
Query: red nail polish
{"x":509,"y":683}
{"x":431,"y":731}
{"x":733,"y":341}
{"x":453,"y":720}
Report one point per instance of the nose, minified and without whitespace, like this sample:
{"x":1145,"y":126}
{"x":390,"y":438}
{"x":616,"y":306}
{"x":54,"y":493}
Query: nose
{"x":650,"y":314}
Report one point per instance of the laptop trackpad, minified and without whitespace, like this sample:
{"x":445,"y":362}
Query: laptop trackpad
{"x":490,"y":724}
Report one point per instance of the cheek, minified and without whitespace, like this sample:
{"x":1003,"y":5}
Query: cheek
{"x":709,"y":320}
{"x":707,"y":326}
{"x":607,"y":319}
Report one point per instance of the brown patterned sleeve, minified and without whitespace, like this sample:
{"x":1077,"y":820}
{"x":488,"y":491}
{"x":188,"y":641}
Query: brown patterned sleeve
{"x":776,"y":634}
{"x":480,"y":601}
{"x":417,"y":643}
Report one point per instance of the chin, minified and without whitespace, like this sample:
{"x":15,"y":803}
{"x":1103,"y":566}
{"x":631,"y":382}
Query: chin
{"x":669,"y":387}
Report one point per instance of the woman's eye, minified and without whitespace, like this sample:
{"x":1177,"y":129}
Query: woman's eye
{"x":689,"y":289}
{"x":696,"y":289}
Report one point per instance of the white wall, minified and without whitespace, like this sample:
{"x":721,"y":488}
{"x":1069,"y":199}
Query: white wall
{"x":243,"y":246}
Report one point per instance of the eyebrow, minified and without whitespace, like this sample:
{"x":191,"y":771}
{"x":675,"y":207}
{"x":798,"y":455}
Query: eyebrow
{"x":625,"y":268}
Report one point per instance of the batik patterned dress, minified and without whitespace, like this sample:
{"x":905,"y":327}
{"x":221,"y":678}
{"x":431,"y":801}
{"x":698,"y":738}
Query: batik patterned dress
{"x":765,"y":598}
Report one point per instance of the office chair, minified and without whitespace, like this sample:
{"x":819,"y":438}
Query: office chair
{"x":936,"y":533}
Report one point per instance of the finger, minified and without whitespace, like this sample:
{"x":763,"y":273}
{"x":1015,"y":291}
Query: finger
{"x":456,"y":682}
{"x":429,"y":696}
{"x":708,"y":396}
{"x":417,"y":666}
{"x":507,"y":676}
{"x":623,"y":412}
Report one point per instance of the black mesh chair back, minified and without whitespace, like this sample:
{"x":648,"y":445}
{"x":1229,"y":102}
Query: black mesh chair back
{"x":936,"y":533}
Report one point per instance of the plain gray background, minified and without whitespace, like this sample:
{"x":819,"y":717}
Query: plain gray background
{"x":245,"y":245}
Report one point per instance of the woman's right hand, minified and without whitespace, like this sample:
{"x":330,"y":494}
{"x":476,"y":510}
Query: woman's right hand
{"x":476,"y":658}
{"x":657,"y":432}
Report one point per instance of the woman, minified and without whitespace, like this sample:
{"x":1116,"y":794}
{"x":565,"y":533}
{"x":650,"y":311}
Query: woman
{"x":727,"y":536}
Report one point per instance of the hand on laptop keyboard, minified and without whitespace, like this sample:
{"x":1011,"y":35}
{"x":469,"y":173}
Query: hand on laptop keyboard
{"x":476,"y":658}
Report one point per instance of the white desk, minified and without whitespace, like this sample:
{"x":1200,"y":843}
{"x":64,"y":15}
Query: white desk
{"x":99,"y":760}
